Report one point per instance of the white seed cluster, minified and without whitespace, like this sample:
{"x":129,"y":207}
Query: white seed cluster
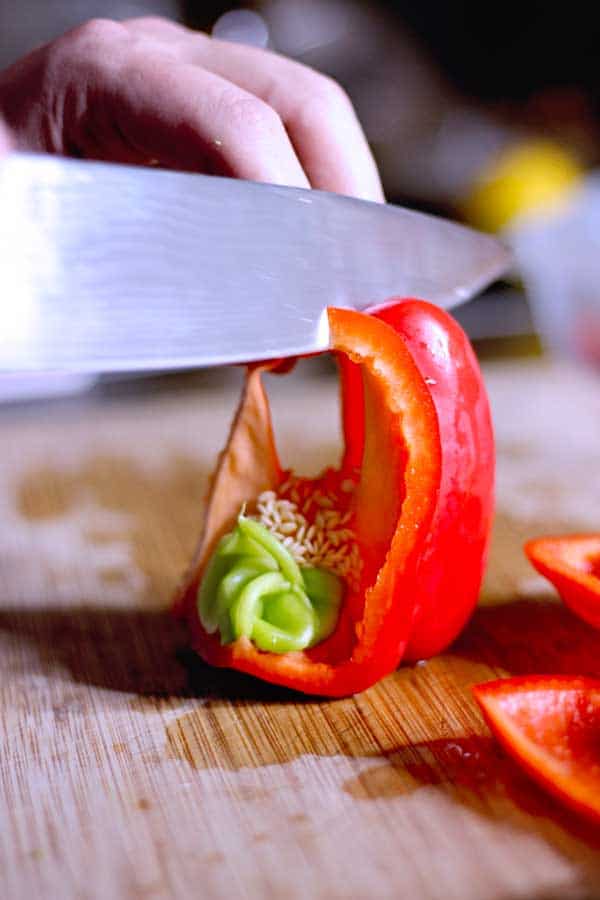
{"x":312,"y":529}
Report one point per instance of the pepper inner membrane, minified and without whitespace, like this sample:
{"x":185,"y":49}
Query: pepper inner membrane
{"x":278,"y":577}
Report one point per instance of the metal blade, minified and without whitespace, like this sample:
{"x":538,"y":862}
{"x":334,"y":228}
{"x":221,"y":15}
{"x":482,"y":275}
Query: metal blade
{"x":116,"y":268}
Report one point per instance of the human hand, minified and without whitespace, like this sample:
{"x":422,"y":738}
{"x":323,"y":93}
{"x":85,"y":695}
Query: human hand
{"x":151,"y":91}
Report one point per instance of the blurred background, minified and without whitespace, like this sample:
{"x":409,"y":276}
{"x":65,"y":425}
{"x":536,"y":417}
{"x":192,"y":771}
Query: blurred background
{"x":485,"y":113}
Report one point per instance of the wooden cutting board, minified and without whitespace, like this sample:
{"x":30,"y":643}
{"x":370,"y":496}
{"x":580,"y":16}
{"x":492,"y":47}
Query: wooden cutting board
{"x":130,"y":770}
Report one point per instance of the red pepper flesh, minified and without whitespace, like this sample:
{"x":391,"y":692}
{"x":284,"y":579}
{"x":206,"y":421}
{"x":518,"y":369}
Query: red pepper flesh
{"x":572,"y":563}
{"x":551,"y":726}
{"x":454,"y":557}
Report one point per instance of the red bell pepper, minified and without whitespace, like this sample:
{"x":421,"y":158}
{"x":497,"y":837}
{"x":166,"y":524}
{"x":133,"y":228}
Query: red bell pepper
{"x":550,"y":725}
{"x":572,"y":563}
{"x":419,"y":450}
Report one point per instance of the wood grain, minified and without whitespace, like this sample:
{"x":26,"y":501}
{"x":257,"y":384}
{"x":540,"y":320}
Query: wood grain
{"x":129,"y":769}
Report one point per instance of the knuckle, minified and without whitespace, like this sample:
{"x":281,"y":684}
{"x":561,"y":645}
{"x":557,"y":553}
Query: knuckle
{"x":330,"y":95}
{"x":81,"y":54}
{"x":147,"y":22}
{"x":321,"y":103}
{"x":98,"y":32}
{"x":252,"y":115}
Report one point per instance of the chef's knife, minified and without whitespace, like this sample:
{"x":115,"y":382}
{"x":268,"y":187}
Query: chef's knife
{"x":115,"y":268}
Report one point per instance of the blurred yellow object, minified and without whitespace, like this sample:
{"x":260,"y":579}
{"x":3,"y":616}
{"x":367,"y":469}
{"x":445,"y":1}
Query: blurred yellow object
{"x":532,"y":176}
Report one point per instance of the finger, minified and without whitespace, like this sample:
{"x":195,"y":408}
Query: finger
{"x":137,"y":100}
{"x":316,"y":112}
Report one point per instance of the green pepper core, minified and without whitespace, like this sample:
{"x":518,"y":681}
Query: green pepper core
{"x":254,"y":588}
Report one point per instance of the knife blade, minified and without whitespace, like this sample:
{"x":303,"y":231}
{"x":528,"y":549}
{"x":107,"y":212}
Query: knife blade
{"x":108,"y":267}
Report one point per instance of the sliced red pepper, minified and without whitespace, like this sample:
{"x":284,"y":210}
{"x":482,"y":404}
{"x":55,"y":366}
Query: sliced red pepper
{"x":572,"y":563}
{"x":413,"y":407}
{"x":551,"y":726}
{"x":454,"y":557}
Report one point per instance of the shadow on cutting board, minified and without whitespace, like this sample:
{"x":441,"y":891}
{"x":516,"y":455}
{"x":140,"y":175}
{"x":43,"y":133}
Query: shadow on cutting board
{"x":141,"y":652}
{"x":145,"y":651}
{"x":529,"y":637}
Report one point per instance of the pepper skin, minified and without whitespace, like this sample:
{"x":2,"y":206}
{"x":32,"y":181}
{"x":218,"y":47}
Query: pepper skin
{"x":572,"y":563}
{"x":414,"y":407}
{"x":455,"y":553}
{"x":550,"y":725}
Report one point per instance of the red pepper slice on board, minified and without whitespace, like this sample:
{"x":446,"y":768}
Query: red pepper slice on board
{"x":413,"y":407}
{"x":572,"y":563}
{"x":551,"y":726}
